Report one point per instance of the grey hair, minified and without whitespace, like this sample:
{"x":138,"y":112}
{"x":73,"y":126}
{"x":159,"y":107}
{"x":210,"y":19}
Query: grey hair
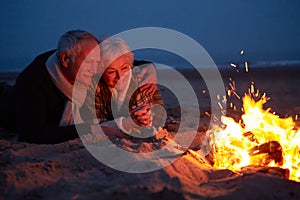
{"x":70,"y":41}
{"x":112,"y":48}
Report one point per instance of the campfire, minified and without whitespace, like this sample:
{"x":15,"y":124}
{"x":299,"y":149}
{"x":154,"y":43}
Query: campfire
{"x":260,"y":138}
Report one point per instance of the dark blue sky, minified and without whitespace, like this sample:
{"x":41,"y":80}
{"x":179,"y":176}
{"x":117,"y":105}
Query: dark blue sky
{"x":267,"y":30}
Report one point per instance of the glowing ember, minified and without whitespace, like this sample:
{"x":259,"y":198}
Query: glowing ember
{"x":260,"y":138}
{"x":246,"y":66}
{"x":233,"y":65}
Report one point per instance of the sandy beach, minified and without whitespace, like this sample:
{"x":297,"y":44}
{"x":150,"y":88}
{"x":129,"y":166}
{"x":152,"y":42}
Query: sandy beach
{"x":68,"y":171}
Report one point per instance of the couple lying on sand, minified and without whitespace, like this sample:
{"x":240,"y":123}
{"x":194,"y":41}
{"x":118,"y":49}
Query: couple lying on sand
{"x":82,"y":82}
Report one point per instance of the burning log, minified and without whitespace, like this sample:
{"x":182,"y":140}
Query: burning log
{"x":273,"y":150}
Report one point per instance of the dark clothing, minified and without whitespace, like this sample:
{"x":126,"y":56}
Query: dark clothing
{"x":39,"y":106}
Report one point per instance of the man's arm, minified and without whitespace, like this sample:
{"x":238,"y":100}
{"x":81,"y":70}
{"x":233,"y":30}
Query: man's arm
{"x":38,"y":114}
{"x":145,"y":72}
{"x":150,"y":93}
{"x":33,"y":125}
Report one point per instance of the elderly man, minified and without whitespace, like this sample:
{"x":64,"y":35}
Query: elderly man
{"x":42,"y":95}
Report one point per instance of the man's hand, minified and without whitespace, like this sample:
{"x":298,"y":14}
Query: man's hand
{"x":147,"y":79}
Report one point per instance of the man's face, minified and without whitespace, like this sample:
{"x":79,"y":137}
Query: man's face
{"x":86,"y":63}
{"x":116,"y":70}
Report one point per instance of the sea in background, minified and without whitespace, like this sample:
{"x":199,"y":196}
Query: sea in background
{"x":15,"y":65}
{"x":9,"y":73}
{"x":11,"y":67}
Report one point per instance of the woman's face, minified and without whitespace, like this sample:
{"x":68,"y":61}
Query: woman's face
{"x":116,"y":70}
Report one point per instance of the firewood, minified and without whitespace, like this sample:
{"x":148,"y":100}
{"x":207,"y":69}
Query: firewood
{"x":273,"y":149}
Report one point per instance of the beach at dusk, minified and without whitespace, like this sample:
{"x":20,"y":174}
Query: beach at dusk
{"x":67,"y":170}
{"x":78,"y":119}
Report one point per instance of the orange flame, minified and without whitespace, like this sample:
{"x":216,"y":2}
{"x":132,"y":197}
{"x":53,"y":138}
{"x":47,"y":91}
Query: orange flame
{"x":260,"y":138}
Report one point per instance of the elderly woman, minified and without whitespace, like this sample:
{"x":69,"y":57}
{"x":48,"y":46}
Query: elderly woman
{"x":119,"y":99}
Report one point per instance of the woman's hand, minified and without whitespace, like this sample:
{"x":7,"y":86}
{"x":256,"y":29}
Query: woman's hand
{"x":148,"y":79}
{"x":141,"y":115}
